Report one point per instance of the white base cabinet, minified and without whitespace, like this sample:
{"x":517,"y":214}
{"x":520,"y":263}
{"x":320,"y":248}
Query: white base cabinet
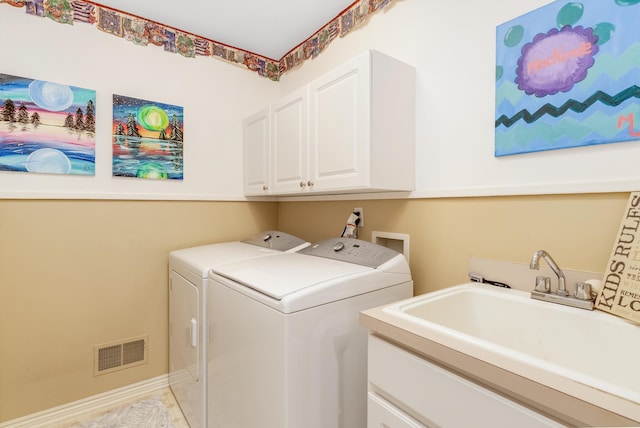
{"x":382,"y":414}
{"x":350,"y":130}
{"x":408,"y":391}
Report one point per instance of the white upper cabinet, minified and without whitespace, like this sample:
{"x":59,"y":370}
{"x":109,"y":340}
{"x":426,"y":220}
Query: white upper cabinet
{"x":257,"y":153}
{"x":351,"y":130}
{"x":340,"y":104}
{"x":290,"y":143}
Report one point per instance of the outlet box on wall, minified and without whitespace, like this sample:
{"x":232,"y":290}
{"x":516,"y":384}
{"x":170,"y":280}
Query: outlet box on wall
{"x":395,"y":241}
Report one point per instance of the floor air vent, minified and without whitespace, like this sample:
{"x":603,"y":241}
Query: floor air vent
{"x":120,"y":355}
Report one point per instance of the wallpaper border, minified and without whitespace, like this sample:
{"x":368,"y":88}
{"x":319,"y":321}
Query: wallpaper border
{"x":144,"y":32}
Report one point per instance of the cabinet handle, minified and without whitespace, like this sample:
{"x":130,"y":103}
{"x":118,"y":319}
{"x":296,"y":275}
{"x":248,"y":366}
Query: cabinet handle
{"x":310,"y":183}
{"x":302,"y":184}
{"x":265,"y":188}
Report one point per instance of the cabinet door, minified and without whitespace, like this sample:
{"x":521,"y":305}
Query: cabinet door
{"x":187,"y":375}
{"x":257,"y":146}
{"x":340,"y":111}
{"x":382,"y":414}
{"x":290,"y":143}
{"x":436,"y":395}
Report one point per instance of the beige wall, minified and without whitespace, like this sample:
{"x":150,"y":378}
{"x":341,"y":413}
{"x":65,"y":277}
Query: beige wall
{"x":74,"y":274}
{"x":578,"y":230}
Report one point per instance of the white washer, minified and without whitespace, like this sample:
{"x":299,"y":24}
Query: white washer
{"x":286,"y":349}
{"x":188,"y":311}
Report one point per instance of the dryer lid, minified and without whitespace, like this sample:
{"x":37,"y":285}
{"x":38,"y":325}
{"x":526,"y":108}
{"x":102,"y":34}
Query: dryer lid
{"x":280,"y":276}
{"x":275,"y":240}
{"x":200,"y":259}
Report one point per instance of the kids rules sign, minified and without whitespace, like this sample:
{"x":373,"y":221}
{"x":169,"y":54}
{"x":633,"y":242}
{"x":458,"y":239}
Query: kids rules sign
{"x":620,"y":293}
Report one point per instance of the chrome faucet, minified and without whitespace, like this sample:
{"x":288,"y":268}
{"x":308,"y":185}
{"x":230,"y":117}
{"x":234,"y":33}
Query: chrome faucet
{"x":580,"y":299}
{"x":535,"y":264}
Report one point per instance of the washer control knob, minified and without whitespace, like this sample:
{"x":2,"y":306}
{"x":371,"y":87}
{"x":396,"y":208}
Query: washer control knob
{"x":338,"y":247}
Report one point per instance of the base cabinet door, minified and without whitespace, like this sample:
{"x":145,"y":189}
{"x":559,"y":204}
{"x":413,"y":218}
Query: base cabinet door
{"x":439,"y":397}
{"x":382,"y":414}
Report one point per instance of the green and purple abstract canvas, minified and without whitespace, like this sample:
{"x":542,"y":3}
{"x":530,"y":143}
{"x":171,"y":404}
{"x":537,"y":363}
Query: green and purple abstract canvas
{"x":568,"y":75}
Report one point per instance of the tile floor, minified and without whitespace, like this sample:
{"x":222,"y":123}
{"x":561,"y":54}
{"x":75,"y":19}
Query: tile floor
{"x":165,"y":394}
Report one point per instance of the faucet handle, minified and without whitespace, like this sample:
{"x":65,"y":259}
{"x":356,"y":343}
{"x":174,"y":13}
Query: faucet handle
{"x":583,"y":291}
{"x":543,"y":284}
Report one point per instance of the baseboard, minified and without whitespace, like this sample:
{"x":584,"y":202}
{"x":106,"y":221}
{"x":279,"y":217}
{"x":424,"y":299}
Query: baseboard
{"x":49,"y":417}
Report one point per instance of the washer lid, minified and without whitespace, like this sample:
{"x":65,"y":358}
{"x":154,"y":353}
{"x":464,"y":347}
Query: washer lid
{"x":280,"y":276}
{"x":352,"y":251}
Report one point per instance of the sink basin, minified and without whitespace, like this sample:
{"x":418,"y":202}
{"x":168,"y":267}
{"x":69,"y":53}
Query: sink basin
{"x":591,"y":355}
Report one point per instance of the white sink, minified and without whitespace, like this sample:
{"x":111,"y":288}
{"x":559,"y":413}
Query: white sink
{"x":592,"y":355}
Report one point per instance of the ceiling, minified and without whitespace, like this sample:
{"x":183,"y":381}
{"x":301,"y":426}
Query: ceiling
{"x":269,"y":28}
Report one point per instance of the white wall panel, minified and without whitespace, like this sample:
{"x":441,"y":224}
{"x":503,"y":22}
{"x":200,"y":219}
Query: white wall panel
{"x":452,"y":46}
{"x":215,"y":96}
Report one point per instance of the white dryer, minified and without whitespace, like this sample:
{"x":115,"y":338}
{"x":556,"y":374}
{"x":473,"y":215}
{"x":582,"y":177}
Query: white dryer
{"x":188,"y":311}
{"x":285,"y":347}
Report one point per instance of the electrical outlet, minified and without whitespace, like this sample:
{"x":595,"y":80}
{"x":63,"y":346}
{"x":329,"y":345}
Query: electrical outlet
{"x":360,"y":212}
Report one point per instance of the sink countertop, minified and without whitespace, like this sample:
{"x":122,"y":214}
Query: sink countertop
{"x":569,"y":401}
